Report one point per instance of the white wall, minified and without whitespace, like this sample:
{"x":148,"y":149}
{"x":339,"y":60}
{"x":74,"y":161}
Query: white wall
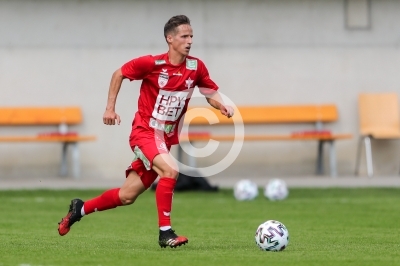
{"x":260,"y":52}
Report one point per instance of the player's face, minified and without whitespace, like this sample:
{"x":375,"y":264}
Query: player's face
{"x":181,"y":42}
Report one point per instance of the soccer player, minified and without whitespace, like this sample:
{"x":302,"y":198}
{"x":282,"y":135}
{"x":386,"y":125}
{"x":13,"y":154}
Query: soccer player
{"x":168,"y":81}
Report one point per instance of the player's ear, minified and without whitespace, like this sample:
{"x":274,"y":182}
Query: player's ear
{"x":169,"y":38}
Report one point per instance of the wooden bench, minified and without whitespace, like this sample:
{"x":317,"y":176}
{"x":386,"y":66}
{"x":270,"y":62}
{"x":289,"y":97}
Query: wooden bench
{"x":198,"y":117}
{"x":60,"y":117}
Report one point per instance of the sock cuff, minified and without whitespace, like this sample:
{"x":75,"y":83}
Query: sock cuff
{"x":108,"y":200}
{"x":167,"y":182}
{"x":116,"y":198}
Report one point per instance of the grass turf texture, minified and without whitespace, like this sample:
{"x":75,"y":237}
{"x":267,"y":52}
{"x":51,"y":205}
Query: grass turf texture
{"x":326,"y":227}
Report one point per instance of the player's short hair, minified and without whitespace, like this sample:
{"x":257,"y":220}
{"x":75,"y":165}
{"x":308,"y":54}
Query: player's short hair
{"x":174,"y":22}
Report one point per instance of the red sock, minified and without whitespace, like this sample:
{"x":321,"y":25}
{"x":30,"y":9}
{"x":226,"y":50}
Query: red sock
{"x":108,"y":200}
{"x":164,"y":193}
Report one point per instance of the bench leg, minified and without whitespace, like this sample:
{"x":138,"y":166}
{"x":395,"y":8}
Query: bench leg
{"x":191,"y":162}
{"x":191,"y":159}
{"x":332,"y":158}
{"x":320,"y":158}
{"x":368,"y":155}
{"x":64,"y":163}
{"x":180,"y":153}
{"x":75,"y":160}
{"x":358,"y":156}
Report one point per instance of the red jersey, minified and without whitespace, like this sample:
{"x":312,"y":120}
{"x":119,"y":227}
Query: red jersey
{"x":166,"y":90}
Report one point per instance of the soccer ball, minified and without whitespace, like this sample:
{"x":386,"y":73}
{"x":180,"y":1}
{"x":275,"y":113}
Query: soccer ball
{"x":272,"y":236}
{"x":245,"y":190}
{"x":276,"y":189}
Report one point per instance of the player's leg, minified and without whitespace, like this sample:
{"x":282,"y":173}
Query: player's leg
{"x":154,"y":153}
{"x":110,"y":199}
{"x":168,"y":172}
{"x":113,"y":198}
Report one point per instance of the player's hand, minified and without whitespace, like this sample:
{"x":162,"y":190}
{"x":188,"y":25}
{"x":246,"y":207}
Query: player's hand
{"x":227,"y":110}
{"x":110,"y":117}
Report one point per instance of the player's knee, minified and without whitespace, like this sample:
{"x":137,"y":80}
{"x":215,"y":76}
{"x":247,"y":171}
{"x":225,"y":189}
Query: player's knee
{"x":170,"y":172}
{"x":128,"y":198}
{"x":127,"y":201}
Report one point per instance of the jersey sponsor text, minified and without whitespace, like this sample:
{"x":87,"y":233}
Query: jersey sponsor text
{"x":169,"y":105}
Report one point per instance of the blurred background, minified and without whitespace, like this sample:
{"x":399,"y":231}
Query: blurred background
{"x":272,"y":52}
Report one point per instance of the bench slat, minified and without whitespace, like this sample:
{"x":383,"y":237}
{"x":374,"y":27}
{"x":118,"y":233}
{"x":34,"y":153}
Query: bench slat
{"x":263,"y":137}
{"x":46,"y":138}
{"x":13,"y":116}
{"x":265,"y":114}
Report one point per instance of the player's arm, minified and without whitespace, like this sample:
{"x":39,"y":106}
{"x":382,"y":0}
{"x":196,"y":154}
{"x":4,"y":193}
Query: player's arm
{"x":216,"y":101}
{"x":136,"y":69}
{"x":110,"y":116}
{"x":210,"y":90}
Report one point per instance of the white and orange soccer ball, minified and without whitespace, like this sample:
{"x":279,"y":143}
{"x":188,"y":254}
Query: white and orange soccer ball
{"x":272,"y":236}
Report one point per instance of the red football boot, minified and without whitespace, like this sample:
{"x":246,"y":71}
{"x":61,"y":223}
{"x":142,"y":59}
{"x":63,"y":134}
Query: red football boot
{"x":170,"y":239}
{"x":73,"y":215}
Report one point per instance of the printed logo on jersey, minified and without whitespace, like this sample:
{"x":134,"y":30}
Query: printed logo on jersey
{"x":189,"y":83}
{"x":169,"y":105}
{"x":163,"y":146}
{"x":160,"y":62}
{"x":191,"y":64}
{"x":166,"y":128}
{"x":163,"y":78}
{"x":177,"y":74}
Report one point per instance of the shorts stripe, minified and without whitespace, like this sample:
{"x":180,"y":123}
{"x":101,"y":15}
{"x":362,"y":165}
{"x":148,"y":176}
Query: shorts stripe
{"x":140,"y":155}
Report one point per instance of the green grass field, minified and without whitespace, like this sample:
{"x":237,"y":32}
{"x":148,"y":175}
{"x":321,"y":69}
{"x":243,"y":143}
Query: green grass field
{"x":326,"y":226}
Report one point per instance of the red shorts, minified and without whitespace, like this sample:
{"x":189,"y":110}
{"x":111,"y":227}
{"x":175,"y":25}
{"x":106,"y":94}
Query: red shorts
{"x":145,"y":145}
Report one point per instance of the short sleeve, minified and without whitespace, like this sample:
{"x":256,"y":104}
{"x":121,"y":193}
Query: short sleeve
{"x":205,"y":84}
{"x":138,"y":68}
